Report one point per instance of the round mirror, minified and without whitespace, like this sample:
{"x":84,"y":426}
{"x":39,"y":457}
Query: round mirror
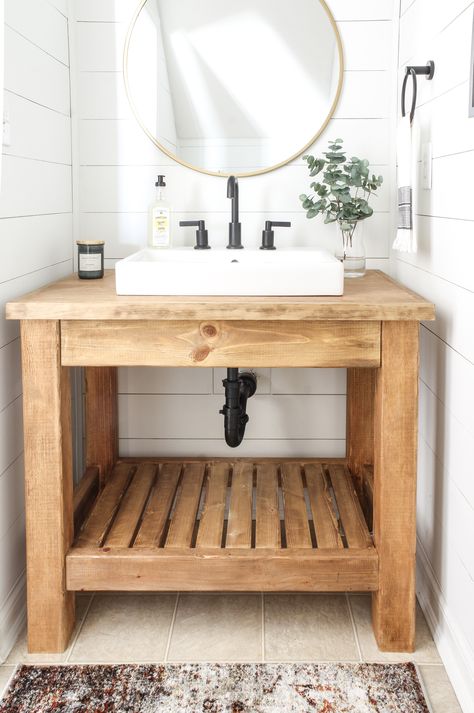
{"x":233,"y":88}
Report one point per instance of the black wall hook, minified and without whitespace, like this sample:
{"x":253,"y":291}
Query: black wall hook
{"x":427,"y":71}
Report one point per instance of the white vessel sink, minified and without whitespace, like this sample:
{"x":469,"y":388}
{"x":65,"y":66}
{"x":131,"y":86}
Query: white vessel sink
{"x":186,"y":271}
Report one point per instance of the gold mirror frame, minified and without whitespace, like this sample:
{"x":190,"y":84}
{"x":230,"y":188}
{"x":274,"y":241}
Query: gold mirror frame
{"x":173,"y":156}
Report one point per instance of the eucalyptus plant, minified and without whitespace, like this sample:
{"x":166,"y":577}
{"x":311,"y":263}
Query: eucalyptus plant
{"x":342,"y":193}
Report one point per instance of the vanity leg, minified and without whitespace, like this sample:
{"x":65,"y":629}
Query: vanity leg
{"x":48,"y":486}
{"x":360,"y":423}
{"x":396,"y":409}
{"x":101,"y":419}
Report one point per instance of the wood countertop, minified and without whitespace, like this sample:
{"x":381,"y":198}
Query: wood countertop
{"x":372,"y":297}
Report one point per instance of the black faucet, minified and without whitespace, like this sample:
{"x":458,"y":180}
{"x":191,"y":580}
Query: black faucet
{"x":235,"y":242}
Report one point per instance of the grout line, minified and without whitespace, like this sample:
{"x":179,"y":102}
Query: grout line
{"x":214,"y":212}
{"x":35,"y":158}
{"x":40,"y":269}
{"x":10,"y":403}
{"x":79,"y":629}
{"x":354,"y":628}
{"x":170,"y":634}
{"x":438,"y":277}
{"x":423,"y":687}
{"x":447,"y":344}
{"x":34,"y":215}
{"x":263,"y":627}
{"x":102,"y":22}
{"x":55,"y":7}
{"x":199,"y":662}
{"x":33,"y":101}
{"x":444,"y":217}
{"x":10,"y":465}
{"x":34,"y":44}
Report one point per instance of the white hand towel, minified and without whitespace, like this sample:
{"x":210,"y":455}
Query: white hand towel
{"x":408,"y":140}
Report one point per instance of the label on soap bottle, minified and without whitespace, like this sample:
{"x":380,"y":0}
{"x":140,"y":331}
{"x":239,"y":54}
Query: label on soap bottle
{"x":161,"y":228}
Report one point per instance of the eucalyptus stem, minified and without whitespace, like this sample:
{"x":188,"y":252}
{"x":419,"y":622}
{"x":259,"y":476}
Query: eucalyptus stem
{"x":337,"y":196}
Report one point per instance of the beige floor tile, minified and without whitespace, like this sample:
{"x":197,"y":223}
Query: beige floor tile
{"x":19,"y":653}
{"x":124,"y":628}
{"x":217,"y":627}
{"x":439,"y":690}
{"x":426,"y":651}
{"x":6,"y":672}
{"x":308,"y":627}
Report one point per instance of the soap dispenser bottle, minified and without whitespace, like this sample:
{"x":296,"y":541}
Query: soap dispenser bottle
{"x":159,"y":230}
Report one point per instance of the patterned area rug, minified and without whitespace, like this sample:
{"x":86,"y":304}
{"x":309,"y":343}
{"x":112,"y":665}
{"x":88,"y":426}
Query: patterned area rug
{"x":216,"y":688}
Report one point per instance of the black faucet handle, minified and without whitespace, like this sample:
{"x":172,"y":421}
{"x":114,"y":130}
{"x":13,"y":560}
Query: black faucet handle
{"x":268,"y":235}
{"x":202,"y":242}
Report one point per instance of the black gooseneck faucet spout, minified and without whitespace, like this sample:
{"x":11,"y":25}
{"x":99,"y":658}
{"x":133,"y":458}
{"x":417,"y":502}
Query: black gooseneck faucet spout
{"x":235,"y":232}
{"x":238,"y":388}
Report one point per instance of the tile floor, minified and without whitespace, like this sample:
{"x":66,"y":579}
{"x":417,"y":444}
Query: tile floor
{"x":138,"y":628}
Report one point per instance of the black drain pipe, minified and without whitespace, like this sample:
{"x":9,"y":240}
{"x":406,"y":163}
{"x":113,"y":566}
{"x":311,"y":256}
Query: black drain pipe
{"x":238,"y":388}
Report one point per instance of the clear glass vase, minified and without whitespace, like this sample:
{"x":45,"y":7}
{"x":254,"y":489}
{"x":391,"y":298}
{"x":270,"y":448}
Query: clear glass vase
{"x":350,"y":247}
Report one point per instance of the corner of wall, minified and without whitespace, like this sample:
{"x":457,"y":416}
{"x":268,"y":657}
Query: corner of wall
{"x":455,"y":652}
{"x":12,"y":617}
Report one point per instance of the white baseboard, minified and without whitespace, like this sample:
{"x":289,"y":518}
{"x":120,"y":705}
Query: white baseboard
{"x":455,"y":652}
{"x":12,"y":617}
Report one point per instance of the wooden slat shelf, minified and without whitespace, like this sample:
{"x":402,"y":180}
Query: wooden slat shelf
{"x":246,"y":525}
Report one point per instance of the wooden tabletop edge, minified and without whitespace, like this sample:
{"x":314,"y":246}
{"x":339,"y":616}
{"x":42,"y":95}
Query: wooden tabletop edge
{"x":379,"y":297}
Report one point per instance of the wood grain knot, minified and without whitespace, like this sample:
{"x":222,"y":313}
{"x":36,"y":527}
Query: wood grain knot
{"x":201,"y":353}
{"x":208,"y":330}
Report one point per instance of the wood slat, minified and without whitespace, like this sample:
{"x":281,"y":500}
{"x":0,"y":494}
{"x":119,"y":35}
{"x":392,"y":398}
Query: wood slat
{"x":326,"y":524}
{"x":235,"y":570}
{"x":352,"y":517}
{"x":105,"y":508}
{"x":267,"y":515}
{"x":296,"y":516}
{"x":125,"y":524}
{"x":157,"y":511}
{"x":239,"y":527}
{"x":212,"y":518}
{"x":187,"y":503}
{"x":85,"y":495}
{"x":367,"y":502}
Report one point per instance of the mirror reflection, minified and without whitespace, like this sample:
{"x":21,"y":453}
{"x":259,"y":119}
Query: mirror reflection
{"x":233,"y":88}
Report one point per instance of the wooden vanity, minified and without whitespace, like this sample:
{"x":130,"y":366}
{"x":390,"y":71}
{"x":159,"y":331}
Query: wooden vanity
{"x":220,"y":524}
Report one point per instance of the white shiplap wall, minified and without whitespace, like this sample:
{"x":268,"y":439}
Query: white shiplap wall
{"x":35,"y":242}
{"x":442,"y":272}
{"x":175,"y":412}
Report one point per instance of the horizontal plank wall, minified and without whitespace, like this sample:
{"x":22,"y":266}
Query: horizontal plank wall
{"x":118,"y":164}
{"x":35,"y":243}
{"x":442,"y":272}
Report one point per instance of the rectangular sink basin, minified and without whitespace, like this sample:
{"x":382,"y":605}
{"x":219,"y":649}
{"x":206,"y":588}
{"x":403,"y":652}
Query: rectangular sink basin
{"x":186,"y":271}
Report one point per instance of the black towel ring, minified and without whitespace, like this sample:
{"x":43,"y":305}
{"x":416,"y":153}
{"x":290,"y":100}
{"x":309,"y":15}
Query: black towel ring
{"x":409,"y":73}
{"x":428,"y":71}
